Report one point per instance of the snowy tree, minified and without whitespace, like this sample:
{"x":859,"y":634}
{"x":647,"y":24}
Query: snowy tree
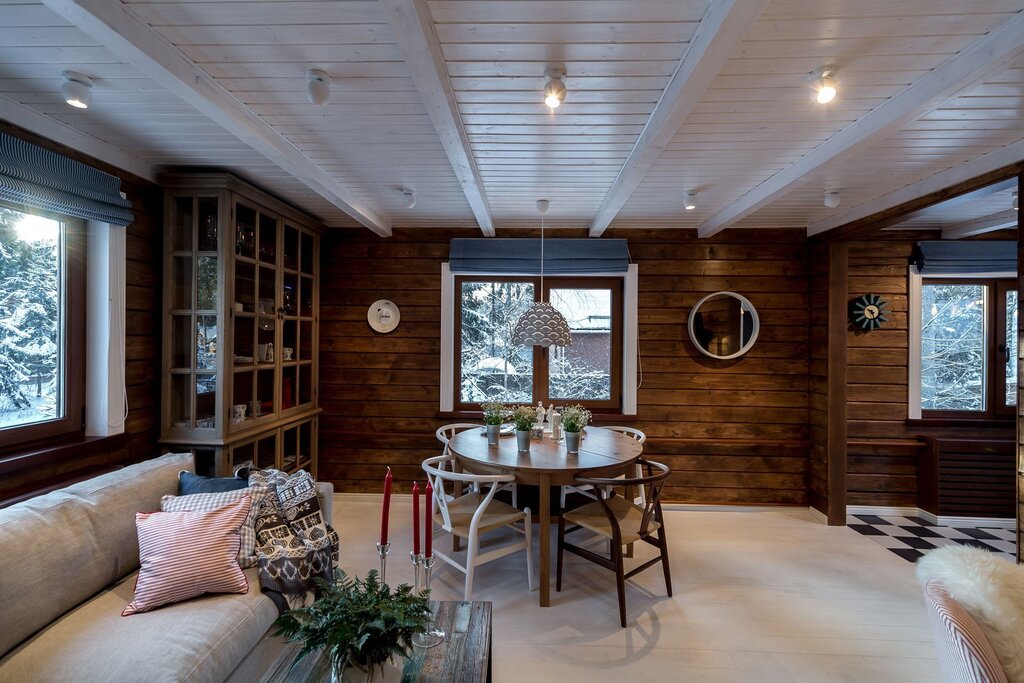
{"x":29,"y":320}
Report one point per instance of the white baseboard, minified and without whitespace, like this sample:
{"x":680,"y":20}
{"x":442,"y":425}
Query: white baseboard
{"x":966,"y":522}
{"x":975,"y":522}
{"x":817,"y":515}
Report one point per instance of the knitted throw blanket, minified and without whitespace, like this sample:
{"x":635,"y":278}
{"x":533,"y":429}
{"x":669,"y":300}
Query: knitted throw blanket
{"x":294,"y":545}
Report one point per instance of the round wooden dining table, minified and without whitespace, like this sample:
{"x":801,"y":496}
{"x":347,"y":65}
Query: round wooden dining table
{"x":603,"y":452}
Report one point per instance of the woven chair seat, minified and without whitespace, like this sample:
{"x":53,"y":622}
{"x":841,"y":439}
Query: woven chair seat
{"x":462,"y":509}
{"x":629,"y":516}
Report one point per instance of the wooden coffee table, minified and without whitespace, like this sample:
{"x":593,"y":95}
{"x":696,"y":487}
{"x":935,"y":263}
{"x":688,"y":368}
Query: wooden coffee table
{"x":463,"y":657}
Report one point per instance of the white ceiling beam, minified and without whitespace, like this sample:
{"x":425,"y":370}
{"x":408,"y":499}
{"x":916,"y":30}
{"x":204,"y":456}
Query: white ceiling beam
{"x":990,"y":52}
{"x":979,"y":226}
{"x":712,"y":45}
{"x":969,"y":170}
{"x":413,"y":29}
{"x":136,"y":43}
{"x":60,"y":132}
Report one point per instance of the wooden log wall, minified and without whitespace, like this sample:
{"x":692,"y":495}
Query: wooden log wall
{"x":142,"y":355}
{"x":733,"y":431}
{"x":883,"y":449}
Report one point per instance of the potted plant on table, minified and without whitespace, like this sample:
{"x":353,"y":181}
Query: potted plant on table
{"x":495,"y":413}
{"x":523,"y":417}
{"x":359,"y":624}
{"x":574,"y":419}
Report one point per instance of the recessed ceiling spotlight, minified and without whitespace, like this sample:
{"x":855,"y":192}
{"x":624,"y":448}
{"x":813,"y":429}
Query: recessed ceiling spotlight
{"x":823,"y":83}
{"x":409,"y":196}
{"x":318,"y":86}
{"x":554,"y":91}
{"x":690,"y":202}
{"x":76,"y":89}
{"x":832,"y":198}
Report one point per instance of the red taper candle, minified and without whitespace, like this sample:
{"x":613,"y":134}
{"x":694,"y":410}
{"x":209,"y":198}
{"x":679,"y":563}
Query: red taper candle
{"x":385,"y":513}
{"x":428,"y":521}
{"x":415,"y":518}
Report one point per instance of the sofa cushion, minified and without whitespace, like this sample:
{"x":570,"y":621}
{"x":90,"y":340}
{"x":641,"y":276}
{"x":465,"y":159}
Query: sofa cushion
{"x":186,"y":554}
{"x":189,"y":483}
{"x":196,"y":641}
{"x":206,"y":502}
{"x":60,"y":549}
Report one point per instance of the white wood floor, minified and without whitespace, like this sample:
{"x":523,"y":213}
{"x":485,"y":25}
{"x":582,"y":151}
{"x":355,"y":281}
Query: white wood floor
{"x":759,"y":596}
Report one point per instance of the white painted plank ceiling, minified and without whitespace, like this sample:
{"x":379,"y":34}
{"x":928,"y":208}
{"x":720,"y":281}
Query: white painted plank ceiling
{"x":375,"y":136}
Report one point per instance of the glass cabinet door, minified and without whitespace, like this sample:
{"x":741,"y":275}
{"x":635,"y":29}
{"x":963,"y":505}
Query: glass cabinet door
{"x":193,"y":321}
{"x":297,"y":308}
{"x":255,"y":317}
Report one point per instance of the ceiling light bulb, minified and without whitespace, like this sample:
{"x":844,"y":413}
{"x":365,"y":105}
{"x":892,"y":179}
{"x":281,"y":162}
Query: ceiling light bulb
{"x":76,"y":89}
{"x":410,"y":197}
{"x":823,"y":82}
{"x":318,"y":87}
{"x":554,"y":91}
{"x":690,"y":203}
{"x":542,"y":206}
{"x":832,"y":198}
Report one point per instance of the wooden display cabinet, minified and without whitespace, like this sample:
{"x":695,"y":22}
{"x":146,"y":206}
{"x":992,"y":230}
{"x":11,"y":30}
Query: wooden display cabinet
{"x":241,"y":324}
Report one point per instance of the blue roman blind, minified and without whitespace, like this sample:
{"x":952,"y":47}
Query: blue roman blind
{"x":503,"y":256}
{"x":972,"y":256}
{"x":38,"y":178}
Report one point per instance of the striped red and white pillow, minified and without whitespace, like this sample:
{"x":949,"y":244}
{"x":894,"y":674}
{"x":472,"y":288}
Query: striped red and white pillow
{"x":186,"y":554}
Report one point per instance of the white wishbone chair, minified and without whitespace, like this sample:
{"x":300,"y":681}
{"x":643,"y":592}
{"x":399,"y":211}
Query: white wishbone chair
{"x":588,"y":491}
{"x":474,"y":513}
{"x":445,"y":433}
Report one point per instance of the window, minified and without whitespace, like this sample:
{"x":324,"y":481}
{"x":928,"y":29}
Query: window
{"x":41,"y":325}
{"x":488,"y":366}
{"x":968,"y":347}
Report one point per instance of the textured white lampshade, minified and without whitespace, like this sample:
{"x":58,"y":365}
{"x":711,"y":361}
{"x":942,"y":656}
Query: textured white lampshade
{"x":542,"y":325}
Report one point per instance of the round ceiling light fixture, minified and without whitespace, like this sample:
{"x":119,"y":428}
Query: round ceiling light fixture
{"x":832,"y":198}
{"x":823,"y":83}
{"x":554,"y":91}
{"x":76,"y":89}
{"x":318,"y":87}
{"x":690,"y":202}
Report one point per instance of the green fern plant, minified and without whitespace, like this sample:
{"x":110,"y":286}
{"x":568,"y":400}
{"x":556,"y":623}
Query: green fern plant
{"x":357,"y":622}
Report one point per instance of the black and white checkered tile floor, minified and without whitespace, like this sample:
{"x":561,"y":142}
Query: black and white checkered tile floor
{"x":911,"y":537}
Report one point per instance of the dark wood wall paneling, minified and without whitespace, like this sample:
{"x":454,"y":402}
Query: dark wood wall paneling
{"x":143,"y":271}
{"x":733,"y":431}
{"x":883,"y":449}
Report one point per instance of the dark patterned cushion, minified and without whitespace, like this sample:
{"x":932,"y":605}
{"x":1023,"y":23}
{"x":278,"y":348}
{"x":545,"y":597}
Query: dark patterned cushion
{"x":189,"y":483}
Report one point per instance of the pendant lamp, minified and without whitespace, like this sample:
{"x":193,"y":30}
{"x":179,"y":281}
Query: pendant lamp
{"x":542,"y":324}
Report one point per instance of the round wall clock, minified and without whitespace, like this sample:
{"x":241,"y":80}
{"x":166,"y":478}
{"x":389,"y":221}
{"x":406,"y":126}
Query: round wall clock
{"x":383,"y":316}
{"x":868,"y":312}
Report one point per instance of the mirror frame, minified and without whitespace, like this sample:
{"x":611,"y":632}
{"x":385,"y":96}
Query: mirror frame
{"x":753,"y":335}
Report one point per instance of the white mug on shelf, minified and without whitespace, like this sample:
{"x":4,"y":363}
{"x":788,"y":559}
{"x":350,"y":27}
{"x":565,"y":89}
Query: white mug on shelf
{"x":238,"y":411}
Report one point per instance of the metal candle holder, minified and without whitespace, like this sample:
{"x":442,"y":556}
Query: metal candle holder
{"x":382,"y":552}
{"x":432,"y":636}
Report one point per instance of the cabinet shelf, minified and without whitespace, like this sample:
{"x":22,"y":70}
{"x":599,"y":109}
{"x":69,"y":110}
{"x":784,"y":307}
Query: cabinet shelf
{"x":229,"y":244}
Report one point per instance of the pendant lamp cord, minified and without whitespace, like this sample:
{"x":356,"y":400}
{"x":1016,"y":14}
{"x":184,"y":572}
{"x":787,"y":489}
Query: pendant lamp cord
{"x":542,"y":258}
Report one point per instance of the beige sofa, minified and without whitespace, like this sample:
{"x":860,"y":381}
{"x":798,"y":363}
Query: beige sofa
{"x":68,"y":562}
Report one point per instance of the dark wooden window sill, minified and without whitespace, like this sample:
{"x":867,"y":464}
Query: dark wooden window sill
{"x":44,"y":453}
{"x":982,"y":422}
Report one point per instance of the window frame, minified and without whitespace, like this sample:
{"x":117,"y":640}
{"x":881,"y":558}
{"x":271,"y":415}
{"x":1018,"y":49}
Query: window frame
{"x":996,"y":285}
{"x":73,"y":239}
{"x":618,"y":286}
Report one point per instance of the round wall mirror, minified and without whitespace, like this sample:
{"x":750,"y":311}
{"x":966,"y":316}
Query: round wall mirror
{"x":724,"y":325}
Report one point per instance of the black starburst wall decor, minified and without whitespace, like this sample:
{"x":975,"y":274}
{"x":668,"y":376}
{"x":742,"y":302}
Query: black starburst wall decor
{"x":868,"y":312}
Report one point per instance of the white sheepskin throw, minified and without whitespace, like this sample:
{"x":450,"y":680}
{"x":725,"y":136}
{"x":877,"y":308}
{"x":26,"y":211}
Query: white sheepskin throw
{"x":991,"y":589}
